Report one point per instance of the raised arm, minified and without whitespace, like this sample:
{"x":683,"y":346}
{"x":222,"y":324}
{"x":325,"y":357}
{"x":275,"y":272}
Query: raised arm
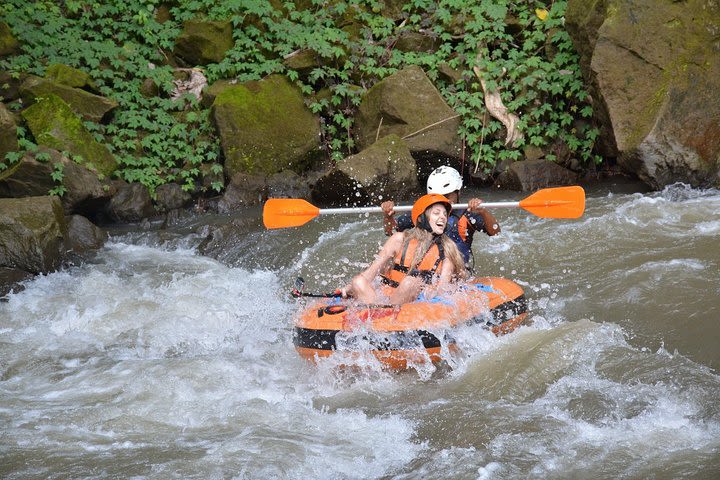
{"x":389,"y":222}
{"x":490,"y":223}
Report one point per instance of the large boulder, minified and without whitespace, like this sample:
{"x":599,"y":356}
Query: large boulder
{"x":54,"y":125}
{"x":654,"y":71}
{"x":265,"y":127}
{"x":384,"y":170}
{"x":32,"y":232}
{"x":243,"y":190}
{"x":202,"y":42}
{"x":131,"y":203}
{"x":171,"y":196}
{"x":8,"y":133}
{"x":529,"y":175}
{"x":84,"y":192}
{"x":88,"y":105}
{"x":408,"y":105}
{"x":83,"y":235}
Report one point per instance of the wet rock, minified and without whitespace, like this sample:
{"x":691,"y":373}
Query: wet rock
{"x":287,"y":184}
{"x":84,"y":193}
{"x":243,"y":190}
{"x":131,"y":203}
{"x":384,"y":170}
{"x":529,"y":175}
{"x":655,"y":94}
{"x":32,"y":232}
{"x":171,"y":196}
{"x":83,"y":235}
{"x":222,"y":242}
{"x":11,"y":281}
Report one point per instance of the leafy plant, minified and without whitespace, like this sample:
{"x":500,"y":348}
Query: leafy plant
{"x":520,"y":48}
{"x":58,"y":175}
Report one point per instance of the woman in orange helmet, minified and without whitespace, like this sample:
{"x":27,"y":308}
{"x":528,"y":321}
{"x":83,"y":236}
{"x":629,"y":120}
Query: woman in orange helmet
{"x":414,"y":259}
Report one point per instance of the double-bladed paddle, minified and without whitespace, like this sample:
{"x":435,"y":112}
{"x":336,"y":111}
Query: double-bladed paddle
{"x":558,"y":202}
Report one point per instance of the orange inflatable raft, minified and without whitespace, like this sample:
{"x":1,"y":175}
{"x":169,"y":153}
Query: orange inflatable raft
{"x":411,"y":333}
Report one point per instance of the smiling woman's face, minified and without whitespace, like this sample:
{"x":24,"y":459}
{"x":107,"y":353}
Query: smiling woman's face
{"x":437,"y":217}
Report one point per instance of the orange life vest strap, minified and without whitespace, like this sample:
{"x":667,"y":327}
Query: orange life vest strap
{"x":425,"y":274}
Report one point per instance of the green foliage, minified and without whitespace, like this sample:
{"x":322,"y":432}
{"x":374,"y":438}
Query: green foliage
{"x":58,"y":175}
{"x":121,"y":44}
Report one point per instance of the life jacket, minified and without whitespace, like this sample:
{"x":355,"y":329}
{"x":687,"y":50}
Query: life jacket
{"x":426,"y":269}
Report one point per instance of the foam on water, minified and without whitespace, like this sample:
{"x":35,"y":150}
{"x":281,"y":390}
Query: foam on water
{"x":147,"y":347}
{"x":151,"y":361}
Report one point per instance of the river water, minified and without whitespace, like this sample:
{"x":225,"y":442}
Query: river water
{"x":169,"y":354}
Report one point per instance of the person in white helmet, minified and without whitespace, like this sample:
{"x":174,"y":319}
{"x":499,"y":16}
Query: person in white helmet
{"x":462,"y":224}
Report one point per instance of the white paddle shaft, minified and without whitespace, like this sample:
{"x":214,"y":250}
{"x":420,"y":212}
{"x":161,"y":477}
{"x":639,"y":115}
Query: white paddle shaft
{"x":407,"y":208}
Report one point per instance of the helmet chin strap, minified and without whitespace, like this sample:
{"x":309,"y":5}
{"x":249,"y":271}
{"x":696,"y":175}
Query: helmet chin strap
{"x":422,"y":222}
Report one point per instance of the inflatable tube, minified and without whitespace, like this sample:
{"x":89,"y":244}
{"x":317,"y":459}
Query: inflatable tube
{"x":414,"y":332}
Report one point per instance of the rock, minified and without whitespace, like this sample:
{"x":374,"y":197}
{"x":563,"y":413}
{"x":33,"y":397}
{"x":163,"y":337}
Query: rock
{"x":243,"y":190}
{"x":11,"y":281}
{"x":415,"y":42}
{"x":131,"y":203}
{"x":32,"y":232}
{"x":171,"y":196}
{"x":70,"y":77}
{"x":302,"y":61}
{"x":287,"y":184}
{"x":265,"y":128}
{"x":84,"y":193}
{"x":654,"y":70}
{"x":202,"y":42}
{"x":83,"y":235}
{"x":408,"y":105}
{"x":10,"y":86}
{"x":8,"y":44}
{"x":384,"y":170}
{"x":88,"y":105}
{"x":54,"y":125}
{"x":529,"y":175}
{"x":8,"y":133}
{"x":222,"y":242}
{"x":213,"y":90}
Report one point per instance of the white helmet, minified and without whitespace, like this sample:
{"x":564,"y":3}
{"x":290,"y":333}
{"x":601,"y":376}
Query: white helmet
{"x":444,"y":180}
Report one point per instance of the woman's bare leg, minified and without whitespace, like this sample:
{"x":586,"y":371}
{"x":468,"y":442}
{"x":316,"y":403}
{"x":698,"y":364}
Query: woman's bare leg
{"x":363,"y":290}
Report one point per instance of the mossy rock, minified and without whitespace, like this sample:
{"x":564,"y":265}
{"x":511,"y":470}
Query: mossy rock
{"x":265,"y":127}
{"x":384,"y":170}
{"x":202,"y":42}
{"x":71,"y":77}
{"x":32,"y":232}
{"x":53,"y":124}
{"x":88,"y":105}
{"x":8,"y":43}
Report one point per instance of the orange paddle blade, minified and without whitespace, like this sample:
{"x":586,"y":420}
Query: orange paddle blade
{"x":288,"y":212}
{"x":559,"y":202}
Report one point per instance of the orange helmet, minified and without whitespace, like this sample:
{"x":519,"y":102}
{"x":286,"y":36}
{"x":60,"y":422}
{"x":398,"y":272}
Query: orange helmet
{"x":426,"y":201}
